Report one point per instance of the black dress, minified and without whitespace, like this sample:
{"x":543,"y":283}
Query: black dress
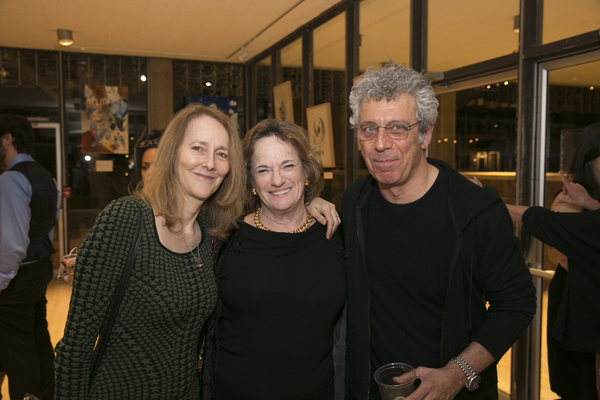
{"x":282,"y":295}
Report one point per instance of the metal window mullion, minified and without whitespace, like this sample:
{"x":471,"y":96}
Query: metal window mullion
{"x":352,"y":55}
{"x":19,"y":67}
{"x":37,"y":78}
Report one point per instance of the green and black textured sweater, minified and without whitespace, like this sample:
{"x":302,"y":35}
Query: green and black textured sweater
{"x":152,"y":352}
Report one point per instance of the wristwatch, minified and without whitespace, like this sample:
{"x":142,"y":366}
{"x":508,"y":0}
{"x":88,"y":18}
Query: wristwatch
{"x":473,"y":380}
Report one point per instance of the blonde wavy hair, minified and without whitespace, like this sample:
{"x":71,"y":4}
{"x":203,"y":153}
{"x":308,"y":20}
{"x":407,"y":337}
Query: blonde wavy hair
{"x":162,"y":191}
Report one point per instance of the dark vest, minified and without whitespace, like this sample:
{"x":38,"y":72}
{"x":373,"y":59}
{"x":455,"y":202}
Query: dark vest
{"x":43,"y":209}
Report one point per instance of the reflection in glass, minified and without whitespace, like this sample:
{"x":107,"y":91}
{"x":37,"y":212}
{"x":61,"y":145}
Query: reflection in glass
{"x":291,"y":64}
{"x":329,"y":87}
{"x":95,"y":189}
{"x":573,"y":102}
{"x":264,"y":89}
{"x":476,"y":134}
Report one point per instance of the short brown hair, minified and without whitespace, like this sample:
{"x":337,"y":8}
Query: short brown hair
{"x":296,"y":136}
{"x":161,"y":189}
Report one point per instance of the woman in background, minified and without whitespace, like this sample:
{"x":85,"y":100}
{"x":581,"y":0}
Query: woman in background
{"x":149,"y":147}
{"x":572,"y":373}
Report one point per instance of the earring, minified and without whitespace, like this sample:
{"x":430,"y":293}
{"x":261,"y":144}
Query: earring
{"x":306,"y":183}
{"x":254,"y":192}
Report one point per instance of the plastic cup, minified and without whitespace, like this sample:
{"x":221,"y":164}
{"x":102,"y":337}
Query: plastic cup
{"x":395,"y":390}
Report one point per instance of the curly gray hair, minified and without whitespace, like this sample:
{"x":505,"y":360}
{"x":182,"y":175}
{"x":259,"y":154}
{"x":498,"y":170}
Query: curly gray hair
{"x":389,"y":82}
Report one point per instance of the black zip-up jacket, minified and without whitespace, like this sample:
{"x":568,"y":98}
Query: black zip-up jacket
{"x":487,"y":264}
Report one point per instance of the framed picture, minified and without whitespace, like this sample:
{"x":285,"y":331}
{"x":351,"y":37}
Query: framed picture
{"x":283,"y":102}
{"x":104,"y":119}
{"x":320,"y":132}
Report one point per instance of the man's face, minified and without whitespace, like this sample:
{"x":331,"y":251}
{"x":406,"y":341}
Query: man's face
{"x":392,"y":161}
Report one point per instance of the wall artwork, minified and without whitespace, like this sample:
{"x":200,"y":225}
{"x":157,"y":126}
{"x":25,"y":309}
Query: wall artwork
{"x":320,"y":132}
{"x":284,"y":104}
{"x":229,"y":105}
{"x":104,"y":119}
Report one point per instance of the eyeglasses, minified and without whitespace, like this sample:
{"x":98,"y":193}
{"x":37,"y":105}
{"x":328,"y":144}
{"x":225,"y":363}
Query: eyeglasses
{"x":148,"y":143}
{"x":394,"y":131}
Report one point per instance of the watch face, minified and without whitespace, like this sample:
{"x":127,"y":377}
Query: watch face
{"x":474,"y":383}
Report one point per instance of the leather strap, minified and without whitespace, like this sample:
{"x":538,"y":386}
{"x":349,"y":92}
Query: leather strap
{"x":116,"y":301}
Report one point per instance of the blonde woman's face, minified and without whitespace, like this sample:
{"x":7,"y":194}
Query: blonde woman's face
{"x":203,"y":159}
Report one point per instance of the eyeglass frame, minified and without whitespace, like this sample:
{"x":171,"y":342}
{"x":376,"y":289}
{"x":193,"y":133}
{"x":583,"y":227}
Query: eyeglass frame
{"x":385,"y":129}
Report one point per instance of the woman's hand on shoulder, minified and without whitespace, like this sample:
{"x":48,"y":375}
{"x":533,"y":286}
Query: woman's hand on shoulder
{"x":562,"y":203}
{"x":326,"y":214}
{"x":576,"y":195}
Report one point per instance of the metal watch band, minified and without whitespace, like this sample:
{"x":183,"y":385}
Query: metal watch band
{"x":472,"y":378}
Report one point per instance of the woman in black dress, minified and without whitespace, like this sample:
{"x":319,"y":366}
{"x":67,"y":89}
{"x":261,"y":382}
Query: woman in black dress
{"x":572,"y":373}
{"x":276,"y":330}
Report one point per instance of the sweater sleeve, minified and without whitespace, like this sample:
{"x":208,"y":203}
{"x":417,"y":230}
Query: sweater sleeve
{"x":574,"y":234}
{"x":504,"y":280}
{"x":100,"y":262}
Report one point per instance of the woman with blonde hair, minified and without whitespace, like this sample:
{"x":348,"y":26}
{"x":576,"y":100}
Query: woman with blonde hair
{"x":191,"y":197}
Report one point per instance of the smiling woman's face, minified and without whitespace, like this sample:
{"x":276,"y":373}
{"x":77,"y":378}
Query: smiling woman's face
{"x":203,"y":159}
{"x":278,"y":175}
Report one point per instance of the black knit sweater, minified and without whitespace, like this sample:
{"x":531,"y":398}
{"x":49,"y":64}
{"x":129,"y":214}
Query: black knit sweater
{"x":152,"y":352}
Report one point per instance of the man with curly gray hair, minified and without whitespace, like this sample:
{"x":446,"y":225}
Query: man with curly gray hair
{"x":427,"y":250}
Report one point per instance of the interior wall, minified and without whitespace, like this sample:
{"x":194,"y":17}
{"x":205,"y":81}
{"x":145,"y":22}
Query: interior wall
{"x":160,"y":93}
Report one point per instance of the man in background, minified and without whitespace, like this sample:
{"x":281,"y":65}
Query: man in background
{"x":28,"y":211}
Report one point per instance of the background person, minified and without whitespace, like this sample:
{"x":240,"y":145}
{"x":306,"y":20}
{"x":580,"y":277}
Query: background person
{"x":426,"y":250}
{"x":577,"y":236}
{"x":149,"y":147}
{"x":276,"y":330}
{"x":191,"y":197}
{"x":572,"y":373}
{"x":28,"y":211}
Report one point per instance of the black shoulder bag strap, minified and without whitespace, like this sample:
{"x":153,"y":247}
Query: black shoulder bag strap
{"x":116,"y":301}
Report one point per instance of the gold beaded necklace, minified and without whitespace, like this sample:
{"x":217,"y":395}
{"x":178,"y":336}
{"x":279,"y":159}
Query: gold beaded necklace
{"x":302,"y":228}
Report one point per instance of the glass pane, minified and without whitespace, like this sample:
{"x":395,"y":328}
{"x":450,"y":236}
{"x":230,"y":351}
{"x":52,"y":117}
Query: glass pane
{"x":465,"y":32}
{"x":388,"y":19}
{"x":329,"y":87}
{"x":563,"y":19}
{"x":573,"y":103}
{"x":29,"y":83}
{"x":476,"y":134}
{"x":291,"y":64}
{"x":44,"y":152}
{"x":264,"y":89}
{"x":93,"y":187}
{"x":210,"y":83}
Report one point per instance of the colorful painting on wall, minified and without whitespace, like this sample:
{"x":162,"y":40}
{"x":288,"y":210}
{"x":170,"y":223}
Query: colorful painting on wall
{"x":284,"y":105}
{"x":104,"y":119}
{"x":320,"y":132}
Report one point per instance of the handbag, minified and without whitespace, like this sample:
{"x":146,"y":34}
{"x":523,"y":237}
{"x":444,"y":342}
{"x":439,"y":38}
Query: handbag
{"x":116,"y":301}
